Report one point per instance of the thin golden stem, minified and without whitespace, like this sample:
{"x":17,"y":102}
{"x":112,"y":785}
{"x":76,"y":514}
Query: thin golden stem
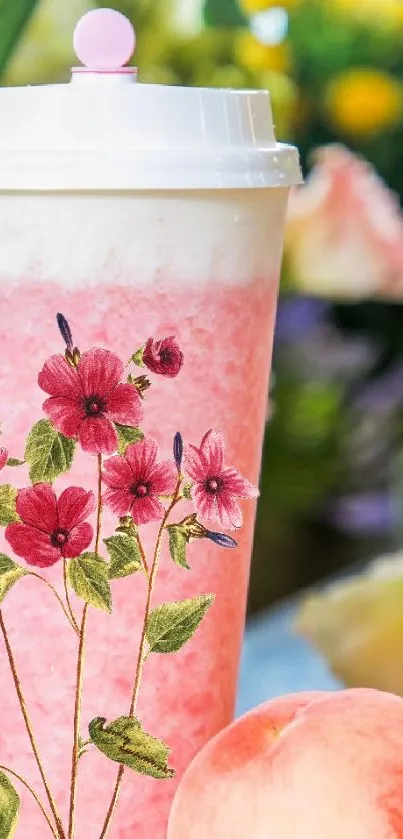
{"x":77,"y":723}
{"x":69,"y":617}
{"x":142,"y":650}
{"x":34,"y":794}
{"x":68,"y":601}
{"x":59,"y":826}
{"x":80,"y":671}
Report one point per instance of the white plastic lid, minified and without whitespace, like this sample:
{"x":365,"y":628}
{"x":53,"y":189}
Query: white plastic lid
{"x":105,"y":131}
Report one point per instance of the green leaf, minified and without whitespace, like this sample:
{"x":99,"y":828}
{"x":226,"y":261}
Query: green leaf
{"x":224,"y":13}
{"x":171,"y":625}
{"x":187,"y":491}
{"x":13,"y":461}
{"x":137,"y":357}
{"x":48,"y":452}
{"x":10,"y":572}
{"x":8,"y":498}
{"x":14,"y":17}
{"x":127,"y":435}
{"x":177,"y":545}
{"x":88,"y":577}
{"x":125,"y":556}
{"x":9,"y":808}
{"x":125,"y":742}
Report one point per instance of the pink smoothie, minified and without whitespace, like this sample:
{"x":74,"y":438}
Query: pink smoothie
{"x":225,"y":333}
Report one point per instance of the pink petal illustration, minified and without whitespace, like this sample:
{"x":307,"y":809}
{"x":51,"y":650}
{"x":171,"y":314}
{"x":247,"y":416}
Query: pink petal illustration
{"x":79,"y":539}
{"x":75,"y":505}
{"x":32,"y":545}
{"x":98,"y":436}
{"x":37,"y":506}
{"x":100,"y":371}
{"x":58,"y":378}
{"x":125,"y":406}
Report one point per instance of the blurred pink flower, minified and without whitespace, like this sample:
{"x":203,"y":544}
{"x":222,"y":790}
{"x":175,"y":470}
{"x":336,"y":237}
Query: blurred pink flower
{"x":216,"y":486}
{"x":345,"y":230}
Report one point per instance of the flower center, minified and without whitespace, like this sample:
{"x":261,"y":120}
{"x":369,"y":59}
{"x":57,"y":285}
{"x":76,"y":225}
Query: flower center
{"x":140,"y":490}
{"x":212,"y":485}
{"x":59,"y":538}
{"x":166,"y":356}
{"x":94,"y":406}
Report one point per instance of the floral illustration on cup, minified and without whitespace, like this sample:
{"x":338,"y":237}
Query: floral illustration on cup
{"x":94,"y":403}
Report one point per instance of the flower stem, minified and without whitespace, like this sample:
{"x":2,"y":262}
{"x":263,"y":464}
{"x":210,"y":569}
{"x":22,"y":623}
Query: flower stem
{"x":68,"y":601}
{"x":59,"y":826}
{"x":70,"y":617}
{"x":34,"y":794}
{"x":80,"y":670}
{"x":77,"y":723}
{"x":142,"y":655}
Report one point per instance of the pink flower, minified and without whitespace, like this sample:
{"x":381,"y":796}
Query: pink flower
{"x":163,"y":357}
{"x":216,"y":486}
{"x":85,"y":402}
{"x":3,"y":458}
{"x":51,"y":528}
{"x":345,"y":230}
{"x":136,"y":480}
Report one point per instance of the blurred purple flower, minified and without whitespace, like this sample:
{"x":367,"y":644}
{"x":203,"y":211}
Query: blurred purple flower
{"x":384,"y":393}
{"x":298,"y":315}
{"x":364,"y":514}
{"x":327,"y":354}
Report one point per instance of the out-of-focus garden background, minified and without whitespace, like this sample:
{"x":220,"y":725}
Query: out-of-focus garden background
{"x":332,"y":484}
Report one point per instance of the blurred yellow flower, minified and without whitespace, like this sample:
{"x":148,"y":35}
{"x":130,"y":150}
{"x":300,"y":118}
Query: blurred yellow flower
{"x":255,"y":56}
{"x":364,"y":101}
{"x":251,"y":7}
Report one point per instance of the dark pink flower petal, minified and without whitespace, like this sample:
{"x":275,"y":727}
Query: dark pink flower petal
{"x":141,"y":457}
{"x":99,"y":371}
{"x":32,"y":545}
{"x":98,"y":436}
{"x":196,"y":465}
{"x":74,"y":506}
{"x":3,"y":457}
{"x":212,"y":447}
{"x":206,"y":502}
{"x":117,"y":473}
{"x":229,"y":512}
{"x":79,"y":539}
{"x":147,"y":509}
{"x":163,"y":478}
{"x":37,"y":506}
{"x":64,"y":414}
{"x":236,"y":484}
{"x":163,"y":357}
{"x":120,"y":501}
{"x":124,"y":405}
{"x":58,"y":378}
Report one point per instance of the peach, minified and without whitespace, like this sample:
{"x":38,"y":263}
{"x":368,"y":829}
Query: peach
{"x":305,"y":766}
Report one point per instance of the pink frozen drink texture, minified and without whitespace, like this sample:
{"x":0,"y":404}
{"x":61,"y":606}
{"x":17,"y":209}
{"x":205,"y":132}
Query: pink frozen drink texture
{"x":225,"y":333}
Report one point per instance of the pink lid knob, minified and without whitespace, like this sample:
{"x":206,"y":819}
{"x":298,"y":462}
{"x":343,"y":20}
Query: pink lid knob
{"x":104,"y":40}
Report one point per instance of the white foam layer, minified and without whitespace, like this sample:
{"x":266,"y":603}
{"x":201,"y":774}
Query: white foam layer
{"x":140,"y":239}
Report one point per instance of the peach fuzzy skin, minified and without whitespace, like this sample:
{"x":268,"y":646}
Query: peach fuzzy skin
{"x":305,"y":766}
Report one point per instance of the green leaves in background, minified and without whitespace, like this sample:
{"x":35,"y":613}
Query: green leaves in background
{"x":14,"y":16}
{"x":126,"y":435}
{"x":10,"y":572}
{"x":9,"y":808}
{"x":171,"y":625}
{"x":48,"y":453}
{"x":88,"y":576}
{"x":8,"y":498}
{"x":124,"y":741}
{"x":226,"y":13}
{"x":124,"y":554}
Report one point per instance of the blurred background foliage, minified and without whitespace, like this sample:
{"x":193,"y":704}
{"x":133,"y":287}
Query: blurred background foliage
{"x":335,"y":72}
